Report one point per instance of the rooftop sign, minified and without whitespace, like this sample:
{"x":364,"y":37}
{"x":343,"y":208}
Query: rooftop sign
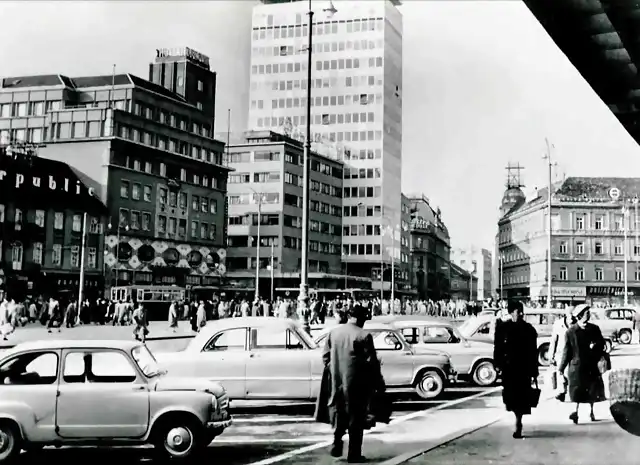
{"x":186,"y":52}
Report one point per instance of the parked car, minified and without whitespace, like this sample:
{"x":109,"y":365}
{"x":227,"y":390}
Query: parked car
{"x":472,"y":360}
{"x":427,"y":371}
{"x":616,"y":322}
{"x":273,"y":358}
{"x":57,"y":392}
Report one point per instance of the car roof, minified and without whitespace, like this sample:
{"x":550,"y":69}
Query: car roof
{"x":420,"y":321}
{"x":213,"y":326}
{"x":369,"y":324}
{"x":58,"y":344}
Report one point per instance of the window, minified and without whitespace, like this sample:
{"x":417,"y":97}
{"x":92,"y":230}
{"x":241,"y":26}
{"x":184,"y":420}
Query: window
{"x":618,"y":249}
{"x":439,"y":335}
{"x":599,"y":274}
{"x":75,"y":255}
{"x":77,"y":223}
{"x":274,"y":338}
{"x":39,"y":219}
{"x":386,"y":340}
{"x":213,"y":207}
{"x":231,"y":339}
{"x":580,"y":273}
{"x":18,"y":219}
{"x":33,"y":368}
{"x":580,"y":248}
{"x":146,"y":221}
{"x":563,"y":247}
{"x":135,"y":192}
{"x":135,"y":219}
{"x":619,"y":274}
{"x":16,"y":256}
{"x":598,"y":248}
{"x":580,"y":222}
{"x":124,"y":190}
{"x":599,"y":222}
{"x":56,"y":255}
{"x":37,"y":253}
{"x":91,"y":257}
{"x":98,"y":367}
{"x":58,"y":220}
{"x":618,"y":222}
{"x":563,"y":273}
{"x":147,"y":194}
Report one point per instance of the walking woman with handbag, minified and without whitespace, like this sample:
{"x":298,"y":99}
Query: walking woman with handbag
{"x":583,"y":351}
{"x":516,"y":358}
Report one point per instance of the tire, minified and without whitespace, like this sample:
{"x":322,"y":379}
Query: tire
{"x":608,"y":346}
{"x":543,"y":355}
{"x":9,"y":442}
{"x":179,"y":439}
{"x":485,"y":373}
{"x":429,"y":384}
{"x":624,"y":337}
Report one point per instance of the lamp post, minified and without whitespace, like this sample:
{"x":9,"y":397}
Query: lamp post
{"x":625,"y":216}
{"x":303,"y":299}
{"x":126,"y":228}
{"x":550,"y":164}
{"x":258,"y":198}
{"x":500,"y":268}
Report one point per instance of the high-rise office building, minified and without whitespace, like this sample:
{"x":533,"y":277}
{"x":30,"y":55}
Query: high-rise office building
{"x":356,"y":106}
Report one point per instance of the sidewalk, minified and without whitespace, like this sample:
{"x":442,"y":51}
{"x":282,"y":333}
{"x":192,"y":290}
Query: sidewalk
{"x":549,"y":438}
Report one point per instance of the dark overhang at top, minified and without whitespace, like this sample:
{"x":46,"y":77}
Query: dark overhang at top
{"x":602,"y":40}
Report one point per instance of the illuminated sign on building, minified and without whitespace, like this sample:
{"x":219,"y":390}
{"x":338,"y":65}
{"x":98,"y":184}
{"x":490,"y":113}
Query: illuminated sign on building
{"x":183,"y":52}
{"x":19,"y":180}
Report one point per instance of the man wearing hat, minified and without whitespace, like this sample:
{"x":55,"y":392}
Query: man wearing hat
{"x":583,"y":349}
{"x":354,"y":369}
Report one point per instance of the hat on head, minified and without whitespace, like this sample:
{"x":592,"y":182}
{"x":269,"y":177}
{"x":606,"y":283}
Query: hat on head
{"x":579,"y":310}
{"x":513,"y":305}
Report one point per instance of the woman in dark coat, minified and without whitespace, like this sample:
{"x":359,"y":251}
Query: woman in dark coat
{"x":516,"y":357}
{"x":583,"y":349}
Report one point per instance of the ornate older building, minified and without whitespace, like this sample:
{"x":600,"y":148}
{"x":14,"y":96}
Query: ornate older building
{"x":588,"y":246}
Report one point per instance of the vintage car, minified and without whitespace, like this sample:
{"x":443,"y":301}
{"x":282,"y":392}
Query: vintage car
{"x":472,"y":360}
{"x":616,"y":322}
{"x":273,"y":358}
{"x":96,"y":393}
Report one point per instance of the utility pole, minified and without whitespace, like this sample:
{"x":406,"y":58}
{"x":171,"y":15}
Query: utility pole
{"x":550,"y":165}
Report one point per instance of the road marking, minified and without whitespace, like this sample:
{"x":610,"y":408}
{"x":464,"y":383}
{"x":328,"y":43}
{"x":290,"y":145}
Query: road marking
{"x":252,"y":440}
{"x":403,"y":418}
{"x":273,"y":420}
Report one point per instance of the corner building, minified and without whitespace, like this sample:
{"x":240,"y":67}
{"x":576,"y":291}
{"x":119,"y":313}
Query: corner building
{"x":588,"y":246}
{"x":267,"y":184}
{"x":148,"y":148}
{"x":356,"y":108}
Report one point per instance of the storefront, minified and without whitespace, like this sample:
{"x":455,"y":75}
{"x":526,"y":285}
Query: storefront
{"x":613,"y":295}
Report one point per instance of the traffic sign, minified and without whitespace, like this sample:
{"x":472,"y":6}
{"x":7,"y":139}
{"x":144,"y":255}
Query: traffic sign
{"x":614,"y":193}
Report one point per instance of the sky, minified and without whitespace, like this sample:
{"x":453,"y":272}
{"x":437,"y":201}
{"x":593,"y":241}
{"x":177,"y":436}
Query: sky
{"x":483,"y":86}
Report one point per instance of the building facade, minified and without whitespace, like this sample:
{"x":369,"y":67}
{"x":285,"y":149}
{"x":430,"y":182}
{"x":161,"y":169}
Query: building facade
{"x":42,"y":207}
{"x":356,"y":104}
{"x":265,"y":200}
{"x":588,"y":246}
{"x":430,"y":251}
{"x":478,"y":262}
{"x":464,"y":284}
{"x":149,"y":152}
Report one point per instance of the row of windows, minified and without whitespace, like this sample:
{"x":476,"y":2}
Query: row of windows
{"x":248,"y":157}
{"x":21,"y":109}
{"x":94,"y":225}
{"x":250,"y":241}
{"x":245,"y":178}
{"x":315,"y":186}
{"x":252,"y":219}
{"x":362,"y":192}
{"x":318,"y":48}
{"x":16,"y":255}
{"x":176,"y":121}
{"x":246,"y":199}
{"x":314,"y":225}
{"x":362,"y":210}
{"x":362,"y":173}
{"x":175,"y":172}
{"x":314,"y":205}
{"x":599,"y":274}
{"x":256,"y":156}
{"x":314,"y":246}
{"x":361,"y":230}
{"x":166,"y":143}
{"x":178,"y":227}
{"x":273,"y":31}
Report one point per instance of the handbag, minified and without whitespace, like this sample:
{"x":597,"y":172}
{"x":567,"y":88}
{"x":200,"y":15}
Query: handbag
{"x":604,"y":364}
{"x":534,"y":395}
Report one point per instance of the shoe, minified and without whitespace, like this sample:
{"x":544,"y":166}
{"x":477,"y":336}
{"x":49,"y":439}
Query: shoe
{"x":360,"y":459}
{"x":593,"y":417}
{"x":336,"y":450}
{"x":517,"y":434}
{"x":574,"y":418}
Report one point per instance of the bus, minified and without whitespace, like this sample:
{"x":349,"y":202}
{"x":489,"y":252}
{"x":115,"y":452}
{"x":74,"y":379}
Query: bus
{"x":156,"y":299}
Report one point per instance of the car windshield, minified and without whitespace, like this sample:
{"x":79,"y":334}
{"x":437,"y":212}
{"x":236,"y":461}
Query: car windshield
{"x":467,"y":328}
{"x":146,"y":361}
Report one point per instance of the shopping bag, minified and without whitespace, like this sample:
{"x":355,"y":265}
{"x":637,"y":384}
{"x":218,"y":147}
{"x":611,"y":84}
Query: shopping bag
{"x":604,"y":364}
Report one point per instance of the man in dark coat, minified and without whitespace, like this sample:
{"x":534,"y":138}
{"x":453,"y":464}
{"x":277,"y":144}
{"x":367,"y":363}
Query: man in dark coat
{"x":354,"y":369}
{"x":583,"y":349}
{"x":516,"y":357}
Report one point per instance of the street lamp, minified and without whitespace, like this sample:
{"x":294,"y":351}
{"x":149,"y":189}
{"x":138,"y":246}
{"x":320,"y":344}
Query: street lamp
{"x":625,"y":217}
{"x":303,"y":299}
{"x":258,"y":198}
{"x":126,"y":228}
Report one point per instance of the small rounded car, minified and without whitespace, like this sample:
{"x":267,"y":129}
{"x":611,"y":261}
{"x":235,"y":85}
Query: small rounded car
{"x":102,"y":393}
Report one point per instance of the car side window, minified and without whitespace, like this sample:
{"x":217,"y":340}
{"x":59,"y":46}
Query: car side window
{"x":411,"y":335}
{"x":438,"y":335}
{"x":33,"y":368}
{"x":484,"y":329}
{"x":229,"y":340}
{"x":293,"y":341}
{"x":268,"y":338}
{"x":386,"y":340}
{"x":98,"y":367}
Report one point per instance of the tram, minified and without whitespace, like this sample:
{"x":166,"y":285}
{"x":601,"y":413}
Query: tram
{"x":328,"y":294}
{"x":156,"y":299}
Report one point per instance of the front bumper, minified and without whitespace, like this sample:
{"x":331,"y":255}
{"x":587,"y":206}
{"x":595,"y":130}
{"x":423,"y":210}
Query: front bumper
{"x":219,"y":424}
{"x":453,"y":376}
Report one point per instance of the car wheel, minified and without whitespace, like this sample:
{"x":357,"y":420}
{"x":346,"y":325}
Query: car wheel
{"x":430,"y":384}
{"x":625,"y":336}
{"x":543,"y":355}
{"x":179,"y":439}
{"x":608,"y":346}
{"x":485,"y":373}
{"x":9,"y":442}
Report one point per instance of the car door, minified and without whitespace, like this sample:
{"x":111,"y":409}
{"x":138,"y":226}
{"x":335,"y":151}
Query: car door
{"x":30,"y":379}
{"x":224,"y":359}
{"x":279,"y":364}
{"x":397,"y":359}
{"x":101,"y":395}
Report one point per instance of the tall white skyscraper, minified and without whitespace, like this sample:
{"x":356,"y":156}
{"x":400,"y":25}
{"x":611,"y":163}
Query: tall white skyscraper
{"x":356,"y":106}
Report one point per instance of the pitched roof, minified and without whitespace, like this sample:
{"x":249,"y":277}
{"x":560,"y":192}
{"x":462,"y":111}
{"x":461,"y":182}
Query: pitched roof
{"x":155,"y":88}
{"x":45,"y":80}
{"x":101,"y":81}
{"x":597,"y":189}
